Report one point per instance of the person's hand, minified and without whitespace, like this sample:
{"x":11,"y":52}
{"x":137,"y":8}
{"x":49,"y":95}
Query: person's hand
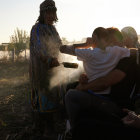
{"x":83,"y":79}
{"x":89,"y":41}
{"x":54,"y":63}
{"x":131,"y":119}
{"x":81,"y":87}
{"x":62,"y":48}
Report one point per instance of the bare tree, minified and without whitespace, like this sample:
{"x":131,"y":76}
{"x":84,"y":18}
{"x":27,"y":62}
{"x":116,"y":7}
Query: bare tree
{"x":19,"y":42}
{"x":64,"y":41}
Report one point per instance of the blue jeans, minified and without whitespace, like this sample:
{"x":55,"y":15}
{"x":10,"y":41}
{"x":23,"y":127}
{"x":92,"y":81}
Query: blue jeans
{"x":78,"y":101}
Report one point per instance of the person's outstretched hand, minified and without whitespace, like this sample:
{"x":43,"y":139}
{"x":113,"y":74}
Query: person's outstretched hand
{"x":131,"y":119}
{"x":89,"y":41}
{"x":54,"y":63}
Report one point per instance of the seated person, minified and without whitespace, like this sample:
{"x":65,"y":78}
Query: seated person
{"x":102,"y":83}
{"x":120,"y":91}
{"x":101,"y":58}
{"x":124,"y":81}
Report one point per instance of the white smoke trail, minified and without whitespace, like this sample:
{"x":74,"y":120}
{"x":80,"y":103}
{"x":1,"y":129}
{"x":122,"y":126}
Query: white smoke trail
{"x":62,"y":75}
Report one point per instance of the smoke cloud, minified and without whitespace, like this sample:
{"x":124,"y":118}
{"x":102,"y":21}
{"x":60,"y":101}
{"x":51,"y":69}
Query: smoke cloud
{"x":61,"y":75}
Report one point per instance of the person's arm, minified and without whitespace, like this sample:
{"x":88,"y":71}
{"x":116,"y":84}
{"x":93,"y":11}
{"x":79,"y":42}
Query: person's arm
{"x":102,"y":83}
{"x":89,"y":43}
{"x":70,"y":49}
{"x":114,"y":77}
{"x":82,"y":54}
{"x":81,"y":45}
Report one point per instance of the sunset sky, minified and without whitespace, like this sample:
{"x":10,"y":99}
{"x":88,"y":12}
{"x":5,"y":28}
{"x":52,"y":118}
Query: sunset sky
{"x":77,"y":18}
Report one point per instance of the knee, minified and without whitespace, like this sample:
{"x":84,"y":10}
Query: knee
{"x":70,"y":95}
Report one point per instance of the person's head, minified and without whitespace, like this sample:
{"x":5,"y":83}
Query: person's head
{"x":130,"y":37}
{"x":115,"y":37}
{"x":100,"y":37}
{"x":48,"y":13}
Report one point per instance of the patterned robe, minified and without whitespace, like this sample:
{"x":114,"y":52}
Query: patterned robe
{"x":44,"y":45}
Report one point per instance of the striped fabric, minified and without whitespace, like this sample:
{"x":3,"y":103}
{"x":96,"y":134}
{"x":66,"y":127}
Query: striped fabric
{"x":44,"y":45}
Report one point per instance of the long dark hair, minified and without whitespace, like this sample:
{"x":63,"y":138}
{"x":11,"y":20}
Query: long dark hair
{"x":48,"y":10}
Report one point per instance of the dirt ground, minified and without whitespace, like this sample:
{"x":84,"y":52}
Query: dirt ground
{"x":15,"y":112}
{"x":16,"y":117}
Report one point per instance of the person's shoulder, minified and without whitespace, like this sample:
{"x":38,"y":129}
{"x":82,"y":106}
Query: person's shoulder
{"x":38,"y":26}
{"x":39,"y":29}
{"x":127,"y":65}
{"x":35,"y":26}
{"x":128,"y":62}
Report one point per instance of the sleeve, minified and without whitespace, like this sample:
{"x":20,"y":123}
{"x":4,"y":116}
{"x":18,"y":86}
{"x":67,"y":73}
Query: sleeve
{"x":123,"y":52}
{"x":67,"y":49}
{"x":83,"y":54}
{"x":39,"y":47}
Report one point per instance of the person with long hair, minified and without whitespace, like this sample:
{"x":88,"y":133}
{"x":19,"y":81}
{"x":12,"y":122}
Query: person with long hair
{"x":44,"y":50}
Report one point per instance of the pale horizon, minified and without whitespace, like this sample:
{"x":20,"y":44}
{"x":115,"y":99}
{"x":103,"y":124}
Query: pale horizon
{"x":77,"y":18}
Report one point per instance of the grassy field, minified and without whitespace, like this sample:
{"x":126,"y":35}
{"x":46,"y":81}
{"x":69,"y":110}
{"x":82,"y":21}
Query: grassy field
{"x":15,"y":111}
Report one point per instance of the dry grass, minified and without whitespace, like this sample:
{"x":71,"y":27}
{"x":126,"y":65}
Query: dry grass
{"x":15,"y":109}
{"x":16,"y":117}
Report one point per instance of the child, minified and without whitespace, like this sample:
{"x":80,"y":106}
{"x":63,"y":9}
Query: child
{"x":99,"y":60}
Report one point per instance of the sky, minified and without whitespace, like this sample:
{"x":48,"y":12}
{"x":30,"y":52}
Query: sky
{"x":77,"y":18}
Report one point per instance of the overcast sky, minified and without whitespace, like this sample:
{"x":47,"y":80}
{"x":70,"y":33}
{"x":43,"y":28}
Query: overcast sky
{"x":77,"y":18}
